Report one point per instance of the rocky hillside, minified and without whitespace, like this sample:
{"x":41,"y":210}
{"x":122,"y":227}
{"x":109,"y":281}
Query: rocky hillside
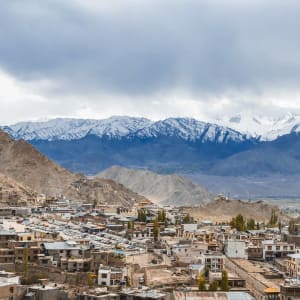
{"x":13,"y":193}
{"x":164,"y":189}
{"x":23,"y":163}
{"x":223,"y":210}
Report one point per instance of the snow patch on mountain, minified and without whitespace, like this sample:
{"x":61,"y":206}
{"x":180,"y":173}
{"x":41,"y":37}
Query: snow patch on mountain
{"x":263,"y":127}
{"x":191,"y":130}
{"x":74,"y":129}
{"x":117,"y":127}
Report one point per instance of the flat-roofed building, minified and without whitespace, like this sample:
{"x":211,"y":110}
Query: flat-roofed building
{"x":293,"y":265}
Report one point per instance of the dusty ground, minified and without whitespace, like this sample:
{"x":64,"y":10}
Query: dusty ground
{"x":164,"y":276}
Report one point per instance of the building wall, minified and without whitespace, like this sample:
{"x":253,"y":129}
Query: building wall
{"x":236,"y":249}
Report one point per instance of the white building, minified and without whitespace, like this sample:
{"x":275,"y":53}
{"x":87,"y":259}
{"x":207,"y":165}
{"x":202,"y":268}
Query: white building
{"x":236,"y":249}
{"x":273,"y":249}
{"x":9,"y":278}
{"x":215,"y":262}
{"x":110,"y":276}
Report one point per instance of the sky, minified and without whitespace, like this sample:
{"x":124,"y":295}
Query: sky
{"x":150,"y":58}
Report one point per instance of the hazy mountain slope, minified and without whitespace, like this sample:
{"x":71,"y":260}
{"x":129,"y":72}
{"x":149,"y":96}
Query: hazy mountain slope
{"x":257,"y":162}
{"x":269,"y":158}
{"x":161,"y":154}
{"x":250,"y":187}
{"x":165,"y":189}
{"x":23,"y":163}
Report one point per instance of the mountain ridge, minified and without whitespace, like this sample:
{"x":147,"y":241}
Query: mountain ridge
{"x":171,"y":189}
{"x":173,"y":145}
{"x":263,"y":127}
{"x":239,"y":126}
{"x":123,"y":127}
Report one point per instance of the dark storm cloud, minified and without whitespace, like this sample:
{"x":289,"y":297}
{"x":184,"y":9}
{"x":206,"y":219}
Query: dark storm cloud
{"x":141,"y":47}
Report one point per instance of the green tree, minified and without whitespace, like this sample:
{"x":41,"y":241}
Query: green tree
{"x":232,"y":223}
{"x":166,"y":223}
{"x":251,"y":224}
{"x":159,"y":216}
{"x":225,"y":281}
{"x":201,"y":283}
{"x":155,"y":230}
{"x":206,"y":272}
{"x":257,"y":226}
{"x":187,"y":219}
{"x":142,"y":215}
{"x":95,"y":202}
{"x":293,"y":229}
{"x":274,"y":218}
{"x":213,"y":286}
{"x":238,"y":222}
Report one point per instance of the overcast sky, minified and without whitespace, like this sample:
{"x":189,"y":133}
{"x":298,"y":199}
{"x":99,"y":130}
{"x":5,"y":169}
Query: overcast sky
{"x":196,"y":58}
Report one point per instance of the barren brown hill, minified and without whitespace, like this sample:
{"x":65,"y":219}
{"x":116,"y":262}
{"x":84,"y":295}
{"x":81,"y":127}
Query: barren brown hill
{"x":23,"y":163}
{"x":223,"y":210}
{"x":166,"y":189}
{"x":13,"y":193}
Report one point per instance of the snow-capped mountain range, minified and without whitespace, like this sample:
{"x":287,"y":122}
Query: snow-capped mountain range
{"x":123,"y":127}
{"x":236,"y":128}
{"x":74,"y":129}
{"x":240,"y":145}
{"x":263,"y":127}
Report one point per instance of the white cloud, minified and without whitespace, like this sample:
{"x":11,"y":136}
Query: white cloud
{"x":148,"y":58}
{"x":38,"y":99}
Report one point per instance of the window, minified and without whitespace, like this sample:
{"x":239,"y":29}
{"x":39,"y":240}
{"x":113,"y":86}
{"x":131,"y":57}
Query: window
{"x":104,"y":276}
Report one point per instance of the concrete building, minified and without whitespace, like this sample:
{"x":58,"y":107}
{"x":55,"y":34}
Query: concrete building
{"x":185,"y":294}
{"x":9,"y":285}
{"x":255,"y":252}
{"x":5,"y":236}
{"x":236,"y":249}
{"x":46,"y":292}
{"x":293,"y":265}
{"x":215,"y":262}
{"x":290,"y":290}
{"x":274,"y":249}
{"x":110,"y":276}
